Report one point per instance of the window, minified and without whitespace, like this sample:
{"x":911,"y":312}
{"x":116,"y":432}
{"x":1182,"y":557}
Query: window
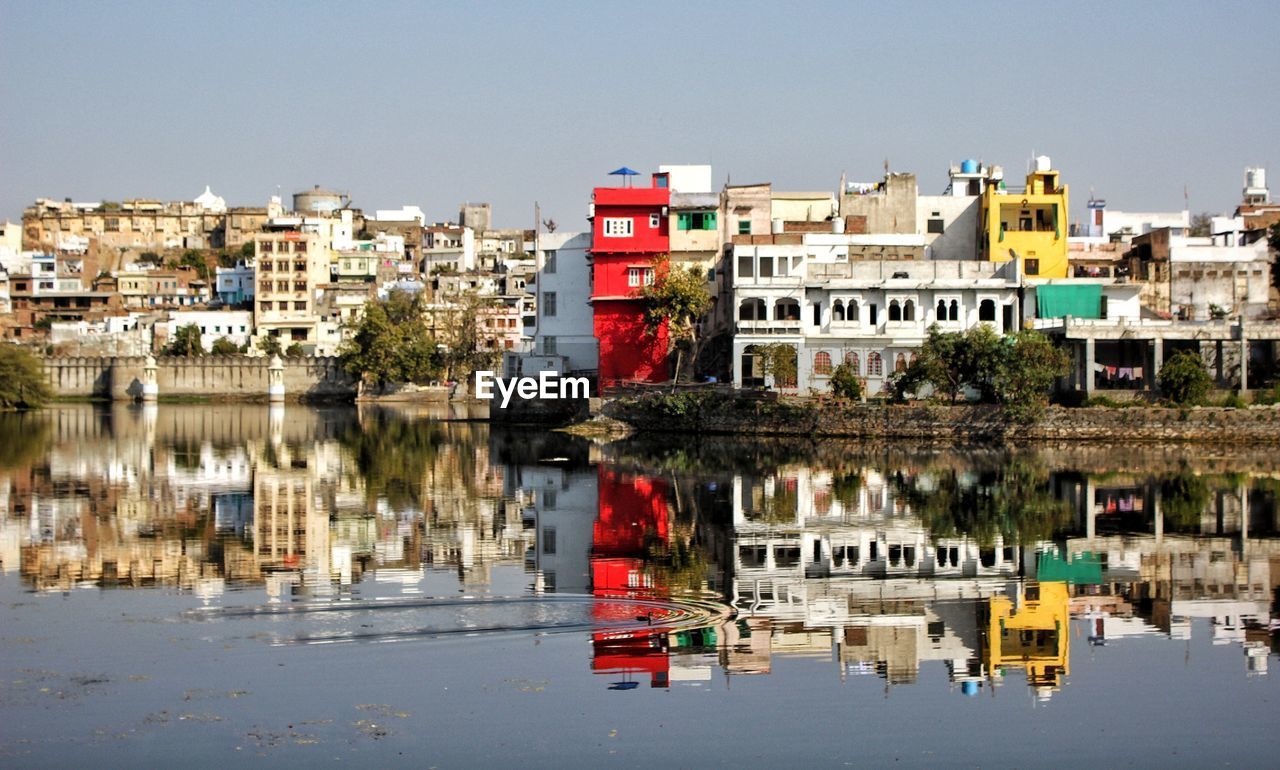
{"x":548,"y":346}
{"x":837,"y":311}
{"x":873,"y":315}
{"x":549,"y":498}
{"x":875,"y":365}
{"x":786,"y":310}
{"x":987,"y":311}
{"x":654,"y":221}
{"x":299,"y":285}
{"x":942,"y":310}
{"x":744,"y":227}
{"x":900,"y":363}
{"x":934,"y":226}
{"x":851,"y":358}
{"x":696,"y":220}
{"x":895,"y":310}
{"x":909,"y":311}
{"x":300,"y":305}
{"x":549,"y":540}
{"x":766,"y":267}
{"x":618,"y":227}
{"x":549,"y":265}
{"x":264,"y":307}
{"x":746,"y":267}
{"x":822,"y":363}
{"x":640,"y":276}
{"x":1032,"y":265}
{"x":549,"y":304}
{"x":817,"y":314}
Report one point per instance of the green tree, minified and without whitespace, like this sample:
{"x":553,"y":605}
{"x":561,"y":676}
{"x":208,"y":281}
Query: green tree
{"x":1183,"y":379}
{"x":468,"y":349}
{"x":845,"y":382}
{"x":390,"y":342}
{"x":194,"y":259}
{"x":186,"y":342}
{"x":270,"y":345}
{"x":294,"y":350}
{"x":1030,"y":365}
{"x":679,"y":299}
{"x":225,"y":347}
{"x":778,"y":360}
{"x":22,"y":381}
{"x":150,"y":257}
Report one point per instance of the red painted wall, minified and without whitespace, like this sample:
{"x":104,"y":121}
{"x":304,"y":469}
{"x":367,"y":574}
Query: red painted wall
{"x":627,"y":350}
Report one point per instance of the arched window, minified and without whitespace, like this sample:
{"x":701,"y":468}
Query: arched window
{"x":987,"y":311}
{"x":875,"y":365}
{"x":909,"y":311}
{"x":751,"y":310}
{"x":895,"y":311}
{"x":955,"y":311}
{"x":851,"y":358}
{"x":786,"y":310}
{"x":900,"y":363}
{"x":822,"y":363}
{"x":852,"y":312}
{"x":837,"y":311}
{"x":914,"y":357}
{"x":942,"y":310}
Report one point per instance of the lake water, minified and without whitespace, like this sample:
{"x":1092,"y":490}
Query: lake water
{"x":202,"y":584}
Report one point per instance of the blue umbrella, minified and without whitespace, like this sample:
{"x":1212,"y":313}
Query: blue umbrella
{"x":624,"y":172}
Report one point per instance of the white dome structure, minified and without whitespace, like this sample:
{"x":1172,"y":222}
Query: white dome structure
{"x":210,"y":202}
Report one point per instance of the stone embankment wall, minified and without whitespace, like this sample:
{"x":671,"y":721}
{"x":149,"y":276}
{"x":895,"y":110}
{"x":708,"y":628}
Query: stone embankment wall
{"x":953,"y":423}
{"x":119,"y":378}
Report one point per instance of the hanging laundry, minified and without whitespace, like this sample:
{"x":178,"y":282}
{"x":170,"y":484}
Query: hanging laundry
{"x":1137,"y":372}
{"x":1126,"y":373}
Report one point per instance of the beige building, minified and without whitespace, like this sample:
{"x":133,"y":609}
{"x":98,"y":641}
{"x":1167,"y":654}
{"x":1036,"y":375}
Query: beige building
{"x":291,"y":267}
{"x":51,"y":225}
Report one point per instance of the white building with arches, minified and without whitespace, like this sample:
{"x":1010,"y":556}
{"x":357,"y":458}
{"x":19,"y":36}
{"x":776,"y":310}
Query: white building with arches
{"x":830,"y":307}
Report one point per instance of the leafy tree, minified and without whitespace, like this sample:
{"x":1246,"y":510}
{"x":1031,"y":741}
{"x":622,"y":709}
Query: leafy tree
{"x":194,"y":259}
{"x":225,"y":347}
{"x":391,"y":342}
{"x":1031,"y":363}
{"x":459,"y":325}
{"x":22,"y":382}
{"x":1183,"y":498}
{"x":679,"y":299}
{"x":294,"y":350}
{"x":270,"y":345}
{"x":778,"y":360}
{"x":1017,"y":370}
{"x":186,"y":342}
{"x":247,"y":250}
{"x":1183,"y":379}
{"x":845,"y":382}
{"x":150,"y":257}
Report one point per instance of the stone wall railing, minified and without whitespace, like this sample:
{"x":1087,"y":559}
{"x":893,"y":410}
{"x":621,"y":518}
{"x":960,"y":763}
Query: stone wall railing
{"x":120,"y":378}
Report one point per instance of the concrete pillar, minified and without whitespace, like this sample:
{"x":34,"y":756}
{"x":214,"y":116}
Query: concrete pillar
{"x":275,"y":380}
{"x":150,"y":387}
{"x":1088,"y":366}
{"x":1157,"y":361}
{"x":1244,"y":361}
{"x":1158,"y":515}
{"x":1218,"y":351}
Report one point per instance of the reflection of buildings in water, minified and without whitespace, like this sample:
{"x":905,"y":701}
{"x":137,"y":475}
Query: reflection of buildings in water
{"x":1030,"y":630}
{"x":471,"y":523}
{"x":560,"y":508}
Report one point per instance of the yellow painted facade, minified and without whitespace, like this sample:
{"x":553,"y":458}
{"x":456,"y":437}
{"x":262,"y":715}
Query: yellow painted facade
{"x":1034,"y":636}
{"x":1030,"y":225}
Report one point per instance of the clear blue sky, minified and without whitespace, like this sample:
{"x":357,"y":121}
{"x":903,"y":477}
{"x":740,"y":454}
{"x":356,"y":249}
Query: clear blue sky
{"x":508,"y":103}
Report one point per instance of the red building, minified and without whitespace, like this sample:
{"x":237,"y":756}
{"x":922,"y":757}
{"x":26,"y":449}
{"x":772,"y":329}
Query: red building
{"x":628,"y":230}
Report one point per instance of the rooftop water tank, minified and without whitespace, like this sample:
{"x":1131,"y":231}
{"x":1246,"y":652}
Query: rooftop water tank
{"x":969,"y":166}
{"x":1043,"y":163}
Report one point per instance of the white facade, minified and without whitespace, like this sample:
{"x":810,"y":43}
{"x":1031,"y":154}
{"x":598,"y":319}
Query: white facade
{"x":565,"y":321}
{"x":563,"y":505}
{"x":873,"y":314}
{"x":235,"y":284}
{"x":235,"y":325}
{"x":687,"y":178}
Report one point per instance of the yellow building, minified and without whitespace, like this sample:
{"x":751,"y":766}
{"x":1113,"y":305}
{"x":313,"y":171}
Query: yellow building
{"x":1030,"y":225}
{"x":1033,"y":635}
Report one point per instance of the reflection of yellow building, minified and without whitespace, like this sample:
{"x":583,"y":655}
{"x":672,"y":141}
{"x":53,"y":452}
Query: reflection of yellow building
{"x":1030,"y":225}
{"x":1033,"y":634}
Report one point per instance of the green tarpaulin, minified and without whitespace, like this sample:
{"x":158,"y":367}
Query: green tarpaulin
{"x":1085,"y":568}
{"x":1055,"y":301}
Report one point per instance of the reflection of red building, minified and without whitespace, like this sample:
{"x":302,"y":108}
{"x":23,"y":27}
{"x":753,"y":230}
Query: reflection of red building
{"x":628,"y":230}
{"x":632,"y":517}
